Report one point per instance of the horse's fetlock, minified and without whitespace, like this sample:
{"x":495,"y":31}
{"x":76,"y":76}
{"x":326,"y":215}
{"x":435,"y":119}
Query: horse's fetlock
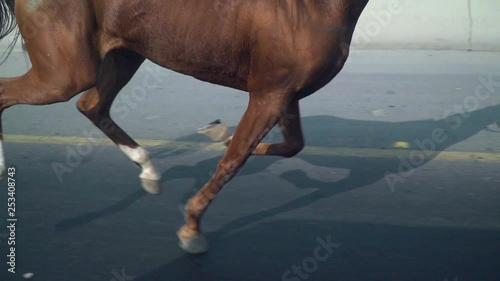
{"x":194,"y":206}
{"x":136,"y":154}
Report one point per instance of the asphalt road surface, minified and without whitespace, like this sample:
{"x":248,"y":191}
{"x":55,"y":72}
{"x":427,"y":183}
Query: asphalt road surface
{"x":400,"y":180}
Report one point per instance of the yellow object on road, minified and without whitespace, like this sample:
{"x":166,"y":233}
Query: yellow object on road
{"x":401,"y":144}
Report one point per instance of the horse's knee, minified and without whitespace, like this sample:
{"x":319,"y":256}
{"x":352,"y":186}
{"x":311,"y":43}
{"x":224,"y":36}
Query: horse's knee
{"x":195,"y":206}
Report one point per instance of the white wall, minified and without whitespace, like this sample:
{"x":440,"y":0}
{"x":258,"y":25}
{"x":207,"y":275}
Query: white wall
{"x":486,"y":27}
{"x":425,"y":24}
{"x":430,"y":24}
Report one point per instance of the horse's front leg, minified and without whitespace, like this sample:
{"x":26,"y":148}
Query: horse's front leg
{"x":262,"y":114}
{"x":116,"y":70}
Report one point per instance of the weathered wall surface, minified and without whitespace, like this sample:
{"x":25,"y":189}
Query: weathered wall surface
{"x":430,"y":24}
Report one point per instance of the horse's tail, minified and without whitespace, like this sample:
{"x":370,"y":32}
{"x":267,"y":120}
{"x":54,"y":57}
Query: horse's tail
{"x":7,"y":25}
{"x":7,"y":17}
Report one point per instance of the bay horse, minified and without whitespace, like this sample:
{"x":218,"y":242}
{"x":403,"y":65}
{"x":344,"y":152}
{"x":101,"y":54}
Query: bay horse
{"x":279,"y":51}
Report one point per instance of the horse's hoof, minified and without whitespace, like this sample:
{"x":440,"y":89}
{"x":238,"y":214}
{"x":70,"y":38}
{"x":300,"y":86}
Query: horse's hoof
{"x":194,"y":245}
{"x":151,"y":186}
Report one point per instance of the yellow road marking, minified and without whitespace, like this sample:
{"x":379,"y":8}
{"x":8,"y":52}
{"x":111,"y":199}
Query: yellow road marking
{"x":309,"y":150}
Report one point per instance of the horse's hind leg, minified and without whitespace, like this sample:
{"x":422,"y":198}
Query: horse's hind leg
{"x":293,"y":139}
{"x":291,"y":129}
{"x":63,"y":57}
{"x":63,"y":61}
{"x":262,"y":114}
{"x":116,"y":70}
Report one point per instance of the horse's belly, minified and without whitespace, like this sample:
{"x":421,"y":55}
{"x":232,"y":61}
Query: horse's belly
{"x":216,"y":68}
{"x":194,"y":40}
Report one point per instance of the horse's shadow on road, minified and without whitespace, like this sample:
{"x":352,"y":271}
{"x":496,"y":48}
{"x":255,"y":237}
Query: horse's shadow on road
{"x":270,"y":250}
{"x":277,"y":246}
{"x":328,"y":131}
{"x":325,"y":132}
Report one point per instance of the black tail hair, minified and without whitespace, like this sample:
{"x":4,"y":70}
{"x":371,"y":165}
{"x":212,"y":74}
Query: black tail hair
{"x":7,"y":25}
{"x":7,"y":17}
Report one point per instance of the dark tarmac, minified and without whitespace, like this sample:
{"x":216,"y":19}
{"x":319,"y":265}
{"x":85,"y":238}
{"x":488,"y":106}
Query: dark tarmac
{"x":392,"y":214}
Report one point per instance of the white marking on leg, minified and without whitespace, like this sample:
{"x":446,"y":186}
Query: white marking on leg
{"x":140,"y":156}
{"x":2,"y":160}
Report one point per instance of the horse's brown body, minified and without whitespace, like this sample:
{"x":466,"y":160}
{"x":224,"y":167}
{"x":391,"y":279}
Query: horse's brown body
{"x":252,"y":38}
{"x":278,"y":50}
